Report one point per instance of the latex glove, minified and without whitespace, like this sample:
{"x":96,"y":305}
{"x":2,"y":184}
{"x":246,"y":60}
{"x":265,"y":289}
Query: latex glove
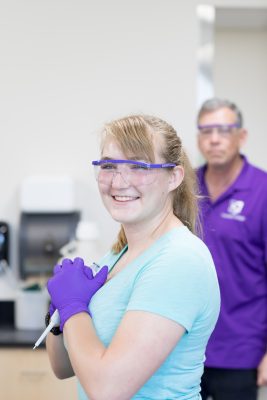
{"x":52,"y":309}
{"x":57,"y":268}
{"x":72,"y":287}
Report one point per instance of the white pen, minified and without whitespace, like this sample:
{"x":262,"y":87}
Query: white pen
{"x":55,"y":318}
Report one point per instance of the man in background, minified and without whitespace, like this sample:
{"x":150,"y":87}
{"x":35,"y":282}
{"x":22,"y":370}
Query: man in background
{"x":234,"y":219}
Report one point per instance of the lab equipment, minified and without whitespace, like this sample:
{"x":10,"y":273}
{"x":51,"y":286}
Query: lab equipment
{"x":48,"y":221}
{"x":133,"y":172}
{"x":86,"y":243}
{"x":54,"y":321}
{"x":41,"y":235}
{"x":4,"y":245}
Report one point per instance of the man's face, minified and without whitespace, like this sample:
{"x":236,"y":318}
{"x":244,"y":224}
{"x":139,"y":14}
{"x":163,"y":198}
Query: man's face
{"x":218,"y":142}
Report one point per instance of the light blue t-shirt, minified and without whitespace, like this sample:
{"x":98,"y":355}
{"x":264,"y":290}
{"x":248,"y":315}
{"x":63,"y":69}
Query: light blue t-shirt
{"x":175,"y":278}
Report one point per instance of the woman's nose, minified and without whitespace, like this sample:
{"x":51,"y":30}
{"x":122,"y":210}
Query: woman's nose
{"x":118,"y":180}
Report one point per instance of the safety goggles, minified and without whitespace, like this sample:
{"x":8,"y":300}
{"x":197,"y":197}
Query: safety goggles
{"x":224,"y":130}
{"x":132,"y":172}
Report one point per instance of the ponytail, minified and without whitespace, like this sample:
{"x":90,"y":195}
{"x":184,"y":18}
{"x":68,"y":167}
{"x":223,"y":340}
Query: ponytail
{"x":120,"y":243}
{"x":185,"y":201}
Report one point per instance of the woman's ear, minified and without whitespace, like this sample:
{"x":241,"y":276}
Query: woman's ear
{"x":176,"y":177}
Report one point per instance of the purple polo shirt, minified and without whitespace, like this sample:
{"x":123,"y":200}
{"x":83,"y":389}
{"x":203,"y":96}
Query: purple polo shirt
{"x":235,"y":230}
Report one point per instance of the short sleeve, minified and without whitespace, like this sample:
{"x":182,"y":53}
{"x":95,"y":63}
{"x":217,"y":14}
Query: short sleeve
{"x":174,"y":290}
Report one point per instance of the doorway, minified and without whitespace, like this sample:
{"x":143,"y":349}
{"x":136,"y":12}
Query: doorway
{"x":232,"y":63}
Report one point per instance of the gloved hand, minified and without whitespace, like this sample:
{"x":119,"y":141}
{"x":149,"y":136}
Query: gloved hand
{"x":57,"y":267}
{"x":72,"y":287}
{"x":52,"y":309}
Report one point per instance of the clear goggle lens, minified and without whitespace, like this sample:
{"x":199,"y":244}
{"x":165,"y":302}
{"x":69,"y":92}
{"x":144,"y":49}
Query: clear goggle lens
{"x":131,"y":171}
{"x":224,"y":130}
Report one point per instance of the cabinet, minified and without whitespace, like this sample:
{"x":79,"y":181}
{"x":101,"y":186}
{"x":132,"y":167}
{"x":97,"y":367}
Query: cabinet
{"x":26,"y":375}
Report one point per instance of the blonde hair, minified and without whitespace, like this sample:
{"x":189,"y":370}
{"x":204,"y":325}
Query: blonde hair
{"x":134,"y":134}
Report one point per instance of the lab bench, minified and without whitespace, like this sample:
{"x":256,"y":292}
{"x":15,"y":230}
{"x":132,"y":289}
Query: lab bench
{"x":25,"y":373}
{"x":11,"y":337}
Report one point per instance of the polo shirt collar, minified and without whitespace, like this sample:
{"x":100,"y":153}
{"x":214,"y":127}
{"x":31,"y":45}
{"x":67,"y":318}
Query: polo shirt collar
{"x":242,"y":182}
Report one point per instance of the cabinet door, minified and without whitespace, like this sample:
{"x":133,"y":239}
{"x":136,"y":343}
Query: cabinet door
{"x":26,"y":375}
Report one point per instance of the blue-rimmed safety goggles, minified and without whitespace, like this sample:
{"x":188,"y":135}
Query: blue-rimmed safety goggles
{"x":224,"y":130}
{"x":132,"y":171}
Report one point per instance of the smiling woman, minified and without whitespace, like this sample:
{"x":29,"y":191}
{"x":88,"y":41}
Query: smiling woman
{"x":149,"y":323}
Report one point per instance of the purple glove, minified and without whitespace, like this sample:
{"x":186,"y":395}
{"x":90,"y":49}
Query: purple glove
{"x":72,"y":287}
{"x":52,"y":309}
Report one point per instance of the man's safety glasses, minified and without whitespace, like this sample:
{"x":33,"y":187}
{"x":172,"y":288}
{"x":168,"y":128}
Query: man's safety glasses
{"x":132,"y":172}
{"x":224,"y":130}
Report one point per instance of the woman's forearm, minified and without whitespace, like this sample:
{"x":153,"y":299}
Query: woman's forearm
{"x":58,"y":357}
{"x":86,"y":353}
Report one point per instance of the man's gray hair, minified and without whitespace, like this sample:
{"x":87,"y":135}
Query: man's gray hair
{"x":215,"y":104}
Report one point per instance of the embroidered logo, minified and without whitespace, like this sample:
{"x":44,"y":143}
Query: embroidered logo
{"x":234,"y":210}
{"x":235,"y":207}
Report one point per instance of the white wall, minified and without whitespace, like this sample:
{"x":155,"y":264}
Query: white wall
{"x":240,"y":74}
{"x":68,"y":66}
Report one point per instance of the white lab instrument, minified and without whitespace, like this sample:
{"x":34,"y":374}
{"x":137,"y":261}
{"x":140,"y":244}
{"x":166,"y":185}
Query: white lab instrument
{"x":54,"y":320}
{"x":86,"y":243}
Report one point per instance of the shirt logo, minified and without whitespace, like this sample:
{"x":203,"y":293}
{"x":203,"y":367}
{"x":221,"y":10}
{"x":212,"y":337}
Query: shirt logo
{"x":235,"y":207}
{"x":234,"y":210}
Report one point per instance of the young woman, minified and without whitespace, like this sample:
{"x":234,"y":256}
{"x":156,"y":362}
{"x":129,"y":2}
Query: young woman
{"x":143,"y":333}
